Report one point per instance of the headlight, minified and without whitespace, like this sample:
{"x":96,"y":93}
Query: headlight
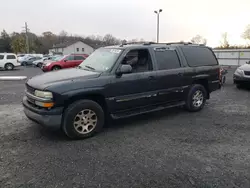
{"x":44,"y":94}
{"x":239,"y":72}
{"x":47,"y":64}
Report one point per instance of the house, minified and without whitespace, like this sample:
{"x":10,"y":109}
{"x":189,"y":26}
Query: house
{"x":76,"y":47}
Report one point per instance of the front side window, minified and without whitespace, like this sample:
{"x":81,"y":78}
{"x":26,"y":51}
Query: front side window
{"x":11,"y":57}
{"x":140,"y":60}
{"x":101,"y":60}
{"x":167,"y":59}
{"x":69,"y":58}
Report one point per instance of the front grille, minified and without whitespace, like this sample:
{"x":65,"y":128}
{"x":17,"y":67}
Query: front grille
{"x":247,"y":73}
{"x":30,"y":89}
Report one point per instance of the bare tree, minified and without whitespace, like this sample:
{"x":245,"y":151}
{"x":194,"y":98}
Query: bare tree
{"x":246,"y":34}
{"x":109,"y":39}
{"x":198,"y":39}
{"x":224,"y":42}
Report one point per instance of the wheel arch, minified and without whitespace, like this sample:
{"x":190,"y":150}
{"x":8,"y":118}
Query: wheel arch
{"x":204,"y":83}
{"x":97,"y":97}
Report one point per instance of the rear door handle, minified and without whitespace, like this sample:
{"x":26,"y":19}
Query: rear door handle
{"x":151,"y":77}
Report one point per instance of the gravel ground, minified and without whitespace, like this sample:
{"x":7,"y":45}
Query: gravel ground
{"x":172,"y":148}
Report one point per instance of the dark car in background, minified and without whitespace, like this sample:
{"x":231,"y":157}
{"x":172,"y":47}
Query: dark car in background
{"x":67,"y":61}
{"x":120,"y":82}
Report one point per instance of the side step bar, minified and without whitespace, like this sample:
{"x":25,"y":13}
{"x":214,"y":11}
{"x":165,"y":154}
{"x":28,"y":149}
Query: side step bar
{"x":145,"y":110}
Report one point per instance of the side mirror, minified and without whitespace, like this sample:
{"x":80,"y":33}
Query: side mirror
{"x":124,"y":69}
{"x":65,"y":60}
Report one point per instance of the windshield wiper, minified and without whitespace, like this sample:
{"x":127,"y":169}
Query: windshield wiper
{"x":89,"y":67}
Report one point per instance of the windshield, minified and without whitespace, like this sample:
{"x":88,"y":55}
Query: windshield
{"x":101,"y":60}
{"x":57,"y":58}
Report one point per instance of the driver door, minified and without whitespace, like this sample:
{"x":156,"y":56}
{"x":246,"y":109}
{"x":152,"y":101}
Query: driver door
{"x":68,"y":61}
{"x":133,"y":90}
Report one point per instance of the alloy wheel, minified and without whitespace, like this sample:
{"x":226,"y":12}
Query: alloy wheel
{"x":85,"y":121}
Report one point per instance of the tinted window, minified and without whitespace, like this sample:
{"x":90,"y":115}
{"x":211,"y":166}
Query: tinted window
{"x":79,"y":58}
{"x":167,"y":59}
{"x":199,"y":56}
{"x":11,"y":57}
{"x":1,"y":56}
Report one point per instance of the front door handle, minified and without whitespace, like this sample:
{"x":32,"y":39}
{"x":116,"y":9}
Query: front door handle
{"x":151,"y":77}
{"x":180,"y":74}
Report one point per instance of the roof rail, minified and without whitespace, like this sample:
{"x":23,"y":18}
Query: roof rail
{"x":143,"y":43}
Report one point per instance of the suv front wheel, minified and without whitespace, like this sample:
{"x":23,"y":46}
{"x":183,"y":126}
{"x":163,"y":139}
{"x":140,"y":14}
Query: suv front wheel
{"x":83,"y":119}
{"x":196,"y":98}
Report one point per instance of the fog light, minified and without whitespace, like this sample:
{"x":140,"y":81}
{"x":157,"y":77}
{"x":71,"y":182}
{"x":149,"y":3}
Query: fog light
{"x":44,"y":104}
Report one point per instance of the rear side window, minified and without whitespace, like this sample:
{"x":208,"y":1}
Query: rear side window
{"x":11,"y":57}
{"x":79,"y":58}
{"x":167,"y":59}
{"x":1,"y":56}
{"x":199,"y":56}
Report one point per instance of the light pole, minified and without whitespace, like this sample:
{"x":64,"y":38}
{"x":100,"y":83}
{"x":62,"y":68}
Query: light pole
{"x":158,"y":21}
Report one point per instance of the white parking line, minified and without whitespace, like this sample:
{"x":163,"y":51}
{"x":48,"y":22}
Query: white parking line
{"x":9,"y":78}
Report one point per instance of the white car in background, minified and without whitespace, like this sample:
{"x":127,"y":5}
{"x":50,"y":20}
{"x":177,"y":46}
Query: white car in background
{"x":39,"y":62}
{"x":8,"y":61}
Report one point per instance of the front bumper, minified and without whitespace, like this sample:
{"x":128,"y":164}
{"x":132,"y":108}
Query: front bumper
{"x":241,"y":79}
{"x":48,"y":118}
{"x":45,"y":69}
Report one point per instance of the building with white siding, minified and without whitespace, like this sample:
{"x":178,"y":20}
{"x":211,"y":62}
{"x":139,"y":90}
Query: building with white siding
{"x":78,"y":47}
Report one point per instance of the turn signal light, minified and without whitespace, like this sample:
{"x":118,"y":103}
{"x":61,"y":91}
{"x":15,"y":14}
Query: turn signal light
{"x":45,"y":105}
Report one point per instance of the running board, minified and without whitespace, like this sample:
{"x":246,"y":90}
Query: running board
{"x":145,"y":110}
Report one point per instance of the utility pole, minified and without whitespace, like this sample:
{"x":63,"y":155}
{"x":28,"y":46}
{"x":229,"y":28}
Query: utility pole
{"x":27,"y":37}
{"x":158,"y":23}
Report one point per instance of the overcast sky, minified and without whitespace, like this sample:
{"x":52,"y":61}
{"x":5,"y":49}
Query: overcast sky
{"x":127,"y":19}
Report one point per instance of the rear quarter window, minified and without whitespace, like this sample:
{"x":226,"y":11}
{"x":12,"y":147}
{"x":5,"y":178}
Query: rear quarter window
{"x":1,"y":57}
{"x":199,"y":56}
{"x":11,"y":57}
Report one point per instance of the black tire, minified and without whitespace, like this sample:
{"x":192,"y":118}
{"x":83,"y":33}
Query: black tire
{"x":70,"y":115}
{"x":190,"y":106}
{"x":56,"y":67}
{"x":9,"y":66}
{"x":39,"y":65}
{"x":239,"y":86}
{"x":24,"y":63}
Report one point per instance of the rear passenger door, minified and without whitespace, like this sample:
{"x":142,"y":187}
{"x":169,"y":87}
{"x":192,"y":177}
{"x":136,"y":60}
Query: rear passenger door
{"x":169,"y":75}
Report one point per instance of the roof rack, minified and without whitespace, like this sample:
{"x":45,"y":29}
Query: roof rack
{"x":168,"y":43}
{"x":143,"y":43}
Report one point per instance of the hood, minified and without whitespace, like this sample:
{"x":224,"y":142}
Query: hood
{"x":55,"y":77}
{"x":38,"y":61}
{"x":48,"y":61}
{"x":245,"y":67}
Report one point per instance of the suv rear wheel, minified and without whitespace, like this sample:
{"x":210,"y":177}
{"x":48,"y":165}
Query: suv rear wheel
{"x":83,"y":119}
{"x":9,"y":66}
{"x":196,"y":98}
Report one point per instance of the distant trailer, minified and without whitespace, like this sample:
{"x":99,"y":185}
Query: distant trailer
{"x":234,"y":57}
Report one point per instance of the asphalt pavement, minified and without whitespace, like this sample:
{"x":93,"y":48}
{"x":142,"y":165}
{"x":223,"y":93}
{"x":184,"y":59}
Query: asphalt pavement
{"x":172,"y":148}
